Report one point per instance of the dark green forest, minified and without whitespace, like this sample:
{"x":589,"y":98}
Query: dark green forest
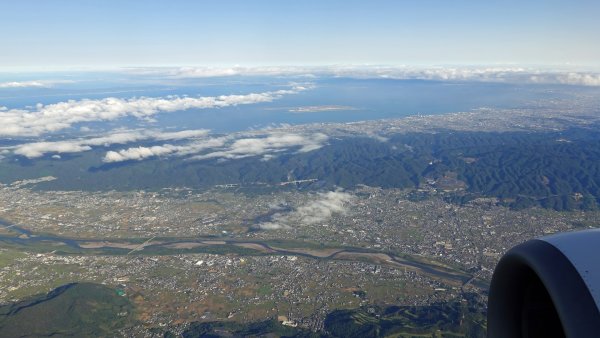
{"x":72,"y":310}
{"x":558,"y":170}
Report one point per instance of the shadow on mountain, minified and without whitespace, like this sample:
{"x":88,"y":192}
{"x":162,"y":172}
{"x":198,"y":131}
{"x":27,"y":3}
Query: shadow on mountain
{"x":110,"y":166}
{"x":72,"y":310}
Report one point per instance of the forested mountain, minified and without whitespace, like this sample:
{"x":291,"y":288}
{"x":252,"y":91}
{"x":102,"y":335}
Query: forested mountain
{"x":559,"y":170}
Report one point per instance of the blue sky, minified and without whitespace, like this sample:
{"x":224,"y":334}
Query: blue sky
{"x":97,"y":34}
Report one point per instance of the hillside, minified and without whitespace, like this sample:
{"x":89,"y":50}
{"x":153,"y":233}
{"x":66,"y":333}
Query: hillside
{"x":72,"y":310}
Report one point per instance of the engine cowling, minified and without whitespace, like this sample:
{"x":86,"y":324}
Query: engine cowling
{"x":548,"y":287}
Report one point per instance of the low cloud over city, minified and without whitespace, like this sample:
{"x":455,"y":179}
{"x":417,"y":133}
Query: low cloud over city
{"x":321,"y":209}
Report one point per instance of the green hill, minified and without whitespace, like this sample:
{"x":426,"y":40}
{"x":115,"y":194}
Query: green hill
{"x":72,"y":310}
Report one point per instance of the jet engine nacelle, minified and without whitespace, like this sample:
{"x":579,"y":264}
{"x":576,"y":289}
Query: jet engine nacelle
{"x":548,"y":287}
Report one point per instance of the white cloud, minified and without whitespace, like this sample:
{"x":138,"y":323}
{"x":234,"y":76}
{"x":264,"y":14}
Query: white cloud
{"x":226,"y":147}
{"x":37,"y":149}
{"x":33,"y":83}
{"x":207,"y":72}
{"x":141,"y":153}
{"x":273,"y":226}
{"x":482,"y":74}
{"x":62,"y":115}
{"x":581,"y":79}
{"x":138,"y":153}
{"x":21,"y":84}
{"x":320,"y":210}
{"x":273,"y":143}
{"x":234,"y":146}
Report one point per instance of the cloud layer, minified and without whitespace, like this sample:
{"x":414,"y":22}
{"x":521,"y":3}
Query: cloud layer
{"x":58,"y":116}
{"x":32,"y":83}
{"x":197,"y":144}
{"x":482,"y":74}
{"x":227,"y":147}
{"x":38,"y":149}
{"x":141,"y":153}
{"x":582,"y":79}
{"x":267,"y":146}
{"x":320,"y":210}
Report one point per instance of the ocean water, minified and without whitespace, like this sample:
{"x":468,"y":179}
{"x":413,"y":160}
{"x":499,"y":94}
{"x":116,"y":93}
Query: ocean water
{"x":355,"y":99}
